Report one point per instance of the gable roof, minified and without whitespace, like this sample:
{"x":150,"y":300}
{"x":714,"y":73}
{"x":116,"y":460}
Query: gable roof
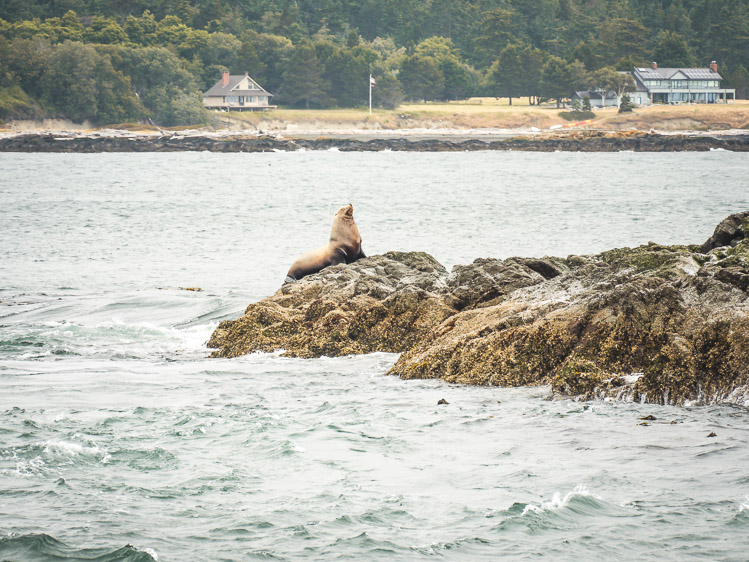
{"x":668,"y":73}
{"x":218,"y":90}
{"x":595,"y":94}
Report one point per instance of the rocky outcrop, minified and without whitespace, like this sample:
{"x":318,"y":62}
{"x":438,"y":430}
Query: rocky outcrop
{"x":665,"y":324}
{"x":729,"y":232}
{"x":579,"y":141}
{"x":379,"y":303}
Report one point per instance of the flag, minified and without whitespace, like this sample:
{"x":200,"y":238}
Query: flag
{"x":372,"y":82}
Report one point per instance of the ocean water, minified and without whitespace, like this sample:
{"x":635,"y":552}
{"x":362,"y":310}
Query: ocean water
{"x":121,"y":440}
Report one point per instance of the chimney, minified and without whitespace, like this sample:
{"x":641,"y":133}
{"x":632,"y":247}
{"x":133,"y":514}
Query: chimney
{"x":655,"y":65}
{"x":246,"y":74}
{"x":714,"y":66}
{"x":224,"y":78}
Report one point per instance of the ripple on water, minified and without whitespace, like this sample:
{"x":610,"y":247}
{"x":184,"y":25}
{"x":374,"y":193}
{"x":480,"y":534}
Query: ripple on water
{"x":34,"y":546}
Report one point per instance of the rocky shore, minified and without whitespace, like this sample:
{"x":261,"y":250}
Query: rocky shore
{"x":662,"y":324}
{"x":576,"y":141}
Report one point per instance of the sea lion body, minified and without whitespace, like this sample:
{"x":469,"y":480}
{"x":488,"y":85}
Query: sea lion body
{"x":344,"y":246}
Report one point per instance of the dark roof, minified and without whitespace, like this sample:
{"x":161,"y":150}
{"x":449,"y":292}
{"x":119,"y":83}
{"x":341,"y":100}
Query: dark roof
{"x":218,"y":90}
{"x":639,"y":85}
{"x":597,"y":94}
{"x":666,"y":73}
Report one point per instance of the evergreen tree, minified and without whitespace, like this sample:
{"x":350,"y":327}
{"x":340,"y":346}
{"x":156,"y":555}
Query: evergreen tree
{"x":740,"y":81}
{"x":388,"y":92}
{"x":672,"y":50}
{"x":530,"y":70}
{"x":497,"y":28}
{"x":557,"y":79}
{"x":626,"y":105}
{"x":505,"y":73}
{"x":621,"y":37}
{"x":586,"y":55}
{"x":303,"y":80}
{"x":421,"y":78}
{"x":457,"y":76}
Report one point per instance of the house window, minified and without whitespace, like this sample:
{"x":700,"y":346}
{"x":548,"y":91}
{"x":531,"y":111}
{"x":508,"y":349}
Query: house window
{"x":679,"y":83}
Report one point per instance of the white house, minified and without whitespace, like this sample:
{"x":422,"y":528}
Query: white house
{"x":597,"y":98}
{"x":237,"y":92}
{"x":679,"y":85}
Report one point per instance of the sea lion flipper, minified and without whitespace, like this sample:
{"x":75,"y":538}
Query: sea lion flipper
{"x":361,"y":254}
{"x":338,"y":257}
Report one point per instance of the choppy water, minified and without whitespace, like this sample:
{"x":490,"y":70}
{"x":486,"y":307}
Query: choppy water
{"x":119,"y":439}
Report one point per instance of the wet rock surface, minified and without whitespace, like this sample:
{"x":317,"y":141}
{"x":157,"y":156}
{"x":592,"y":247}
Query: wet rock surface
{"x":578,"y":141}
{"x":663,"y":324}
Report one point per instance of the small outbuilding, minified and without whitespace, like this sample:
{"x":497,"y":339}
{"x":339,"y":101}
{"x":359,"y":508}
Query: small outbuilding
{"x":597,"y":98}
{"x":237,"y":93}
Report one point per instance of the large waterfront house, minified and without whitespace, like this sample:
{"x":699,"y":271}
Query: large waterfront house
{"x":679,"y":85}
{"x":237,"y":92}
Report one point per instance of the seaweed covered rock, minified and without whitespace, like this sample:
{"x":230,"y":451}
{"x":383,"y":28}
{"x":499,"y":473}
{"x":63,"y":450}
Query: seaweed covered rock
{"x":666,"y":324}
{"x":652,"y":311}
{"x":379,"y":303}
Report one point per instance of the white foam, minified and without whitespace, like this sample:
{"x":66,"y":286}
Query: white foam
{"x":557,"y":501}
{"x":744,"y":506}
{"x":69,"y":449}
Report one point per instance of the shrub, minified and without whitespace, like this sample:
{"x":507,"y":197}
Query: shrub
{"x":576,"y":115}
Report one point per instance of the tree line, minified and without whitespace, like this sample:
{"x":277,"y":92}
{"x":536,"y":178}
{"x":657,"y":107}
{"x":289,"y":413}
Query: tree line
{"x":111,"y":61}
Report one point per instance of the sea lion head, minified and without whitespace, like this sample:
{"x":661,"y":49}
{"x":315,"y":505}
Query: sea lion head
{"x":344,"y":232}
{"x":346,"y":212}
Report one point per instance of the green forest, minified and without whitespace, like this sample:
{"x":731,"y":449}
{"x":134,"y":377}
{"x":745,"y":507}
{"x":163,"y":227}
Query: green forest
{"x":114,"y":61}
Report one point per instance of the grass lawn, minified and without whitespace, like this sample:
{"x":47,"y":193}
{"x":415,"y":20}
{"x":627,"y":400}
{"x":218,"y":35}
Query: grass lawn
{"x":497,"y":113}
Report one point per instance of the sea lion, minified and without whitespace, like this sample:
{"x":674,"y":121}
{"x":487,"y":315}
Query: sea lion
{"x":344,"y":247}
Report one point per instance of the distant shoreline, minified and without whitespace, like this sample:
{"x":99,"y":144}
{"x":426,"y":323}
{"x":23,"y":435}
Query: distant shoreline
{"x":434,"y":141}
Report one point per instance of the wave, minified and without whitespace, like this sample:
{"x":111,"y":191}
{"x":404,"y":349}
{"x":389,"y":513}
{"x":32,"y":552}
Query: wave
{"x":561,"y":511}
{"x":113,"y":338}
{"x":38,"y":458}
{"x":577,"y":498}
{"x":39,"y":545}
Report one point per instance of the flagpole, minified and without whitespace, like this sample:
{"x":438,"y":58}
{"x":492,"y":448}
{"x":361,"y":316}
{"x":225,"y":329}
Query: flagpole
{"x":370,"y":94}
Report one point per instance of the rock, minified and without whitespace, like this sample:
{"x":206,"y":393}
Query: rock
{"x":662,"y":324}
{"x":487,"y":281}
{"x":729,"y":232}
{"x":379,"y":303}
{"x":578,"y":141}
